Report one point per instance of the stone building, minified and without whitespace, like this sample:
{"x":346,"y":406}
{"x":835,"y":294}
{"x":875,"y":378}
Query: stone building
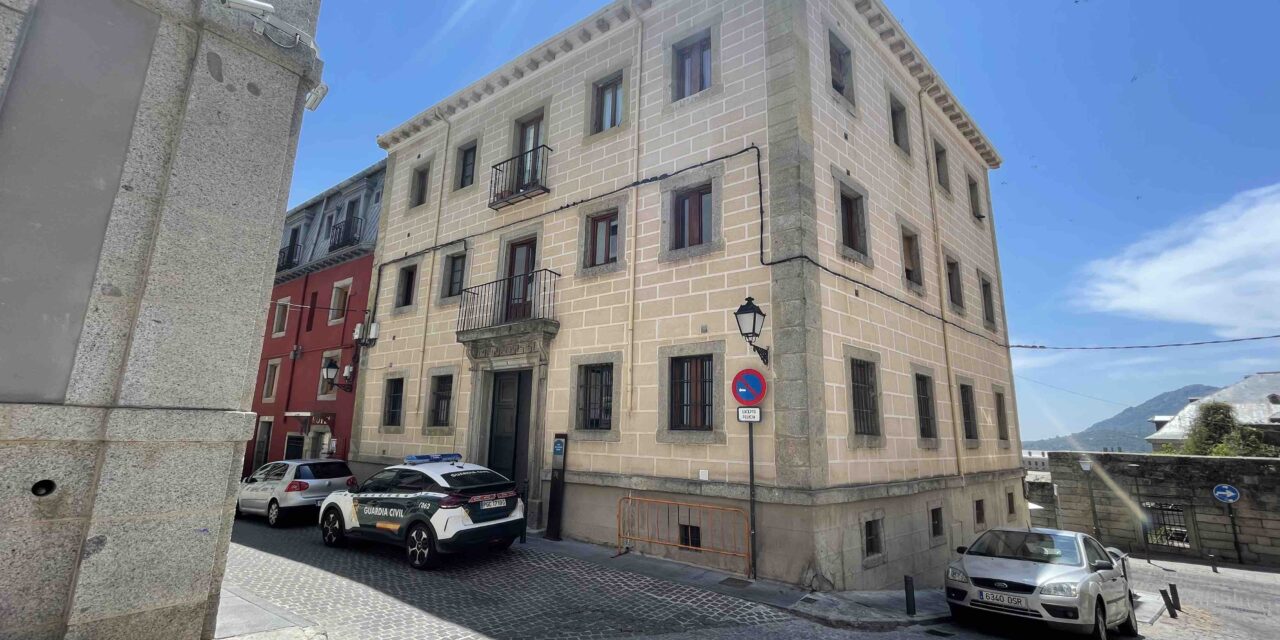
{"x":321,"y":285}
{"x":146,"y":148}
{"x":1255,"y":402}
{"x":567,"y":238}
{"x":1165,"y":505}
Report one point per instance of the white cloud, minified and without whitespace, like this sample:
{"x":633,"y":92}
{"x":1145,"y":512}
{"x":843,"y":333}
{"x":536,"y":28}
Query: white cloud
{"x":1219,"y":269}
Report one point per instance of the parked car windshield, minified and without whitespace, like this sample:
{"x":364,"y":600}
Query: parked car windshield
{"x":1027,"y":545}
{"x":323,"y":470}
{"x":472,"y":478}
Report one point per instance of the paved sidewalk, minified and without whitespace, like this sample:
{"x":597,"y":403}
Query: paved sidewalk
{"x":868,"y":610}
{"x":244,"y":616}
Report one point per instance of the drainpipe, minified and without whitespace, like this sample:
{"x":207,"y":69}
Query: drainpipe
{"x":956,"y":420}
{"x":432,"y":258}
{"x":632,"y":220}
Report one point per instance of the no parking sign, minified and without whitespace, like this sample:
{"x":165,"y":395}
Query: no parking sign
{"x":749,"y":387}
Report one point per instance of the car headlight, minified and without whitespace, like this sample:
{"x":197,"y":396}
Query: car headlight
{"x":956,"y":575}
{"x":1066,"y":589}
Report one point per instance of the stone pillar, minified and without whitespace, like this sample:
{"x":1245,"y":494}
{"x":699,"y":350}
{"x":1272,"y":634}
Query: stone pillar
{"x":146,"y":148}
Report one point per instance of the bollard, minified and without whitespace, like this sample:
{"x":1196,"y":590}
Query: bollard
{"x":1168,"y":604}
{"x":1173,"y":595}
{"x":909,"y":585}
{"x":1213,"y":562}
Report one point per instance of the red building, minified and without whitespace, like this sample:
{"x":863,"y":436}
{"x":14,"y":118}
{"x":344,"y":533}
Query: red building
{"x":319,"y":299}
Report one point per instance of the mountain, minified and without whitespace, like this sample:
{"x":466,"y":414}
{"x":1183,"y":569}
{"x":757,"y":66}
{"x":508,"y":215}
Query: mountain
{"x":1126,"y":429}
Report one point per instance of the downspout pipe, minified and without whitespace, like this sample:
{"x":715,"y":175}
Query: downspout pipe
{"x":941,"y":283}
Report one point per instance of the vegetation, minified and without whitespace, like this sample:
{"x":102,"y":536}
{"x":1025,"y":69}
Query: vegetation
{"x":1217,"y":433}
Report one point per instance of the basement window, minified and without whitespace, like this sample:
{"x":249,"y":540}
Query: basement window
{"x":691,"y":536}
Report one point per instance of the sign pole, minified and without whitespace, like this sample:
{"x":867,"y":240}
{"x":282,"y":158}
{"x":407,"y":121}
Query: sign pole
{"x":1235,"y":537}
{"x":751,"y":484}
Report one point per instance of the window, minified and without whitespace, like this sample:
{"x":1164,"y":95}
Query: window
{"x":405,"y":285}
{"x":595,"y":397}
{"x":841,"y":67}
{"x":969,"y":412}
{"x":441,"y":401}
{"x":691,"y":225}
{"x":338,"y":300}
{"x":872,"y":538}
{"x":411,"y":482}
{"x":269,"y":381}
{"x":898,"y":124}
{"x":607,"y":104}
{"x":280,"y":321}
{"x":352,"y":209}
{"x":691,"y":536}
{"x":1011,"y":504}
{"x":940,"y":167}
{"x":418,"y":189}
{"x":328,"y":225}
{"x":988,"y":300}
{"x":393,"y":402}
{"x":691,"y":393}
{"x":979,"y":514}
{"x":935,"y":522}
{"x":466,"y":165}
{"x":381,"y":482}
{"x":1002,"y":420}
{"x":322,"y":470}
{"x":455,"y":271}
{"x":866,"y":417}
{"x":853,"y":221}
{"x":955,"y":291}
{"x":326,"y":387}
{"x":602,"y":244}
{"x":693,"y":66}
{"x":924,"y":406}
{"x":377,"y":196}
{"x":911,"y":262}
{"x":975,"y":199}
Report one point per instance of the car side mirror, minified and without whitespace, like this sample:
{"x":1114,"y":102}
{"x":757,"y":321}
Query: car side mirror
{"x":961,"y":550}
{"x":1103,"y":565}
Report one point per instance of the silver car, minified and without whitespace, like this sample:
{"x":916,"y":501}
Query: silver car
{"x":1064,"y":578}
{"x":278,"y":488}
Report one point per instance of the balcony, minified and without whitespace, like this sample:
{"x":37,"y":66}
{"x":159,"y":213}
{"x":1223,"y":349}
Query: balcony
{"x":346,"y":233}
{"x":288,"y":257}
{"x":511,"y":305}
{"x":520,"y":178}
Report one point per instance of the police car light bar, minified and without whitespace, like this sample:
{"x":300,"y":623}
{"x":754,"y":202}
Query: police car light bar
{"x":433,"y":457}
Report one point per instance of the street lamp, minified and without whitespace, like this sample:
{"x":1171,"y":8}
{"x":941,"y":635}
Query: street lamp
{"x":1086,"y":465}
{"x":330,"y":373}
{"x":750,"y":323}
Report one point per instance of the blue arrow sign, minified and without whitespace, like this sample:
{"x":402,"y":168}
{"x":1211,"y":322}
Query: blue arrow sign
{"x":1226,"y":493}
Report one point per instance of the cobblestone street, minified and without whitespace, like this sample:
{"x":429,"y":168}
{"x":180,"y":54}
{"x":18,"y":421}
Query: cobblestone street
{"x":368,"y":592}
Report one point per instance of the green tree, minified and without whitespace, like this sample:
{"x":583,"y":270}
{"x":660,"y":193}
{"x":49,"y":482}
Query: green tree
{"x":1217,"y":433}
{"x":1214,"y":422}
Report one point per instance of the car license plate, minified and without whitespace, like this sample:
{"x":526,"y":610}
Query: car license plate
{"x":1000,"y":598}
{"x":493,"y":504}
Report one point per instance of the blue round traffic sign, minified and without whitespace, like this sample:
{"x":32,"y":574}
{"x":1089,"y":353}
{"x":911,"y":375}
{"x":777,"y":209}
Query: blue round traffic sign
{"x":1226,"y":493}
{"x":749,"y":387}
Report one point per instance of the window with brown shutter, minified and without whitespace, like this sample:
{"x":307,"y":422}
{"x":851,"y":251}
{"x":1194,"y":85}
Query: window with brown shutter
{"x":691,"y":393}
{"x":608,"y":106}
{"x":441,"y":400}
{"x":693,"y":67}
{"x":853,"y":221}
{"x":602,"y":244}
{"x":691,"y":224}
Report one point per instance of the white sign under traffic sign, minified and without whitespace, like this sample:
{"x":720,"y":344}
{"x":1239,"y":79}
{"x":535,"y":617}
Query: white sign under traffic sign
{"x":748,"y":414}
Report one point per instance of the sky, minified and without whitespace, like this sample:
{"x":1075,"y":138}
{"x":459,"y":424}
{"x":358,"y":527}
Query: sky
{"x":1138,"y":202}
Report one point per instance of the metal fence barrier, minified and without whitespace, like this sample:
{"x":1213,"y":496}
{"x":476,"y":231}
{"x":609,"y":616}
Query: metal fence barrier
{"x":701,"y":528}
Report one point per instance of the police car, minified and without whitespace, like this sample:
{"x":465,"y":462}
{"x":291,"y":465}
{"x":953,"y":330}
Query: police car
{"x":431,"y":504}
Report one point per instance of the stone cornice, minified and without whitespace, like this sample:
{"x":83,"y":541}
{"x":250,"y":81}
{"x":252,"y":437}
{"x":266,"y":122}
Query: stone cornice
{"x":895,"y":39}
{"x":563,"y":43}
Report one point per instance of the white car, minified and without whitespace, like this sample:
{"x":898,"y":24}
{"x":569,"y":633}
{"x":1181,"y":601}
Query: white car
{"x":1063,"y":578}
{"x":279,"y":488}
{"x":431,"y":504}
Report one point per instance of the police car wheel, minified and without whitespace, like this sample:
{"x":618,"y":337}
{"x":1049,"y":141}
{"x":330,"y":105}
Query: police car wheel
{"x":421,"y":547}
{"x":331,"y":529}
{"x":275,"y":517}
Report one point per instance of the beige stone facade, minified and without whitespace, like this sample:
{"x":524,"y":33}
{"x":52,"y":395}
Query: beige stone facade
{"x":777,"y":144}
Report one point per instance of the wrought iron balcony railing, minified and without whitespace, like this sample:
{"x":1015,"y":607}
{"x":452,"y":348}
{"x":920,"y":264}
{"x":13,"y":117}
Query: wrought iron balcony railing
{"x":519,"y":178}
{"x":345,"y":233}
{"x":288,"y":257}
{"x":530,"y":296}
